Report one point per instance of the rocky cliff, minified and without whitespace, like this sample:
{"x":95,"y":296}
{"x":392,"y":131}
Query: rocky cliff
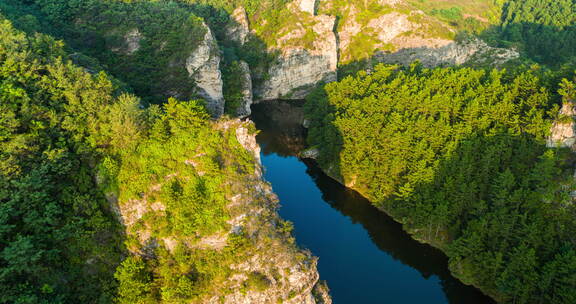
{"x":291,"y":272}
{"x":310,"y":44}
{"x":471,"y":51}
{"x":160,"y":49}
{"x":203,"y":65}
{"x":400,"y":33}
{"x":308,"y":55}
{"x":267,"y":267}
{"x":244,"y":109}
{"x":238,"y":28}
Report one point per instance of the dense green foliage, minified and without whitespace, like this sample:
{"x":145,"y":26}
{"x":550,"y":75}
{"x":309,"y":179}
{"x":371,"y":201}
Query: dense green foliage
{"x":73,"y":147}
{"x":459,"y":156}
{"x":544,"y":30}
{"x":54,"y":226}
{"x":165,"y":33}
{"x":180,"y":172}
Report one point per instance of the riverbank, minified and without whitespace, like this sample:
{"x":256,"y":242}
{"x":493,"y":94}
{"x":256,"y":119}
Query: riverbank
{"x":364,"y":255}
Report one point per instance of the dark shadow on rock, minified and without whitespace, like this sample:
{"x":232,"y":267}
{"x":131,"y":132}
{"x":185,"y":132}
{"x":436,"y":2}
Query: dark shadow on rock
{"x":282,"y":122}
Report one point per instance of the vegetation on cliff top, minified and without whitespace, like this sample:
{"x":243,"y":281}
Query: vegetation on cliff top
{"x":73,"y":146}
{"x":459,"y":157}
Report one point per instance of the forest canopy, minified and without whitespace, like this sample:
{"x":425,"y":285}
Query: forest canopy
{"x":458,"y":155}
{"x":74,"y":146}
{"x":52,"y":217}
{"x":544,"y":30}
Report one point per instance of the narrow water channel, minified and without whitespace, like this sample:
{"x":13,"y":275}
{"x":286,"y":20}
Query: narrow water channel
{"x":364,"y":255}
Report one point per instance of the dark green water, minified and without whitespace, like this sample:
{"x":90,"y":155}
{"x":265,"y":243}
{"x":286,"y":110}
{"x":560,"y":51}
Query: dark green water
{"x":365,"y":256}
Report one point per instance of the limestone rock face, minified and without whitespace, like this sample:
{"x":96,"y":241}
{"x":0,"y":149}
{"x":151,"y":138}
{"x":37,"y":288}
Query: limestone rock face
{"x":385,"y":28}
{"x":299,"y":69}
{"x":287,"y":273}
{"x":308,"y":6}
{"x":386,"y":32}
{"x":131,"y":43}
{"x":290,"y":279}
{"x":403,"y":37}
{"x":239,"y":26}
{"x":563,"y":133}
{"x":247,"y":98}
{"x":454,"y":53}
{"x":248,"y":141}
{"x":203,"y":65}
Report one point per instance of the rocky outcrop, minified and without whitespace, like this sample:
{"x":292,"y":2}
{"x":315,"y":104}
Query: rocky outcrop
{"x":402,"y":35}
{"x":243,"y":109}
{"x":311,"y":153}
{"x":131,"y":43}
{"x":289,"y":272}
{"x":239,"y":27}
{"x":563,"y":133}
{"x":308,"y":6}
{"x":472,"y":51}
{"x":272,"y":270}
{"x":389,"y":31}
{"x":299,"y":69}
{"x":248,"y":140}
{"x":203,"y":65}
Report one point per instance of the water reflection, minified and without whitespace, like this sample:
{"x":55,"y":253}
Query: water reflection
{"x":389,"y":236}
{"x":365,"y":256}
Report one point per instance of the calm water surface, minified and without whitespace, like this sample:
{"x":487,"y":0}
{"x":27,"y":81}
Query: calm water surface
{"x":365,"y":256}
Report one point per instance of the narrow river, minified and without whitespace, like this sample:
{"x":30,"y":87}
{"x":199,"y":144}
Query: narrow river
{"x":364,"y":255}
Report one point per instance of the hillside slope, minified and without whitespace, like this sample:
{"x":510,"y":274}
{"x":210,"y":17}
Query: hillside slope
{"x":102,"y":201}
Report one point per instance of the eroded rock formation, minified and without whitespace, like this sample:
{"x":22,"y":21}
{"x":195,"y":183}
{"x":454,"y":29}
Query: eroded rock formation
{"x":401,"y":34}
{"x":203,"y":65}
{"x":299,"y":68}
{"x":243,"y":109}
{"x":453,"y":53}
{"x":239,"y":27}
{"x":287,"y":273}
